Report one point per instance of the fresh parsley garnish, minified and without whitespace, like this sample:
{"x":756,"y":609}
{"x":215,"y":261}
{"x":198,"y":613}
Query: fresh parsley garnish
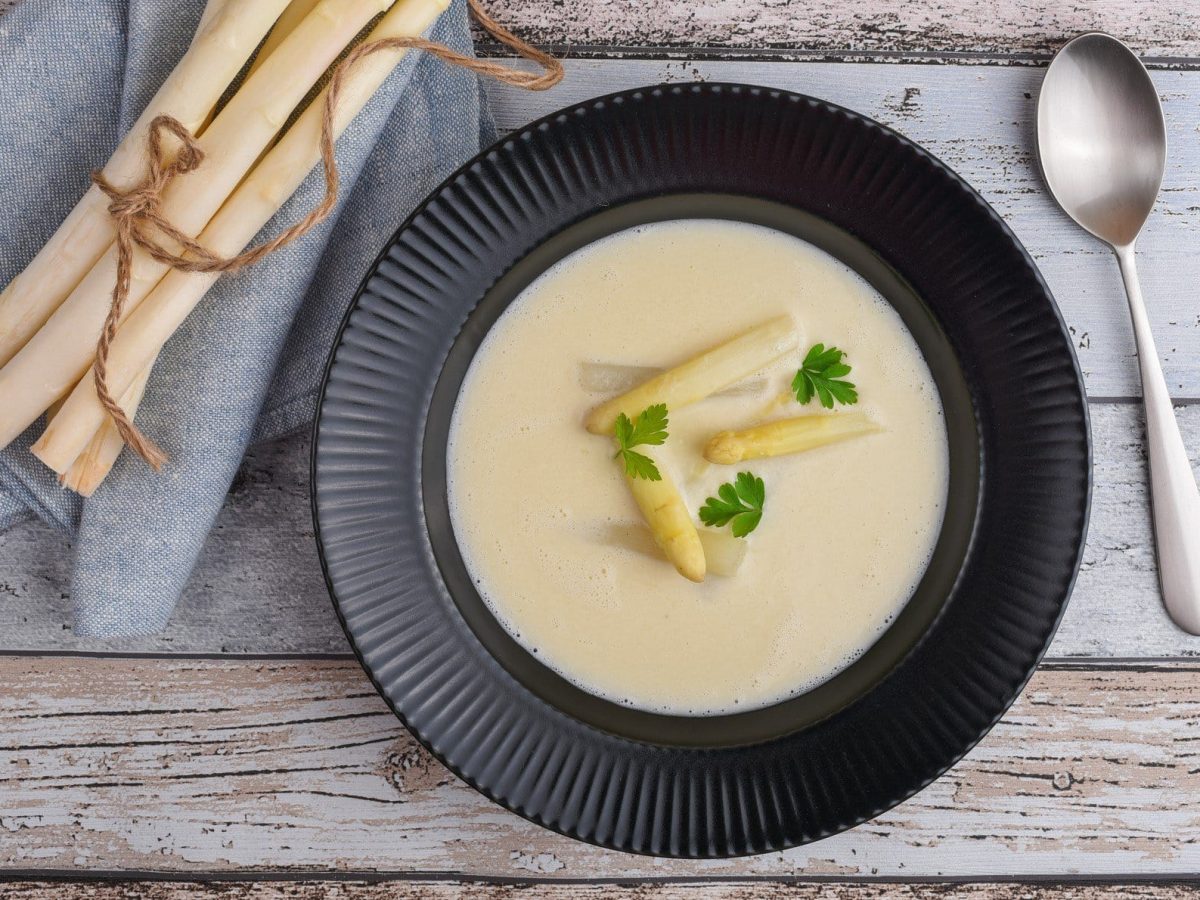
{"x":821,"y":374}
{"x":650,"y":427}
{"x":739,"y":504}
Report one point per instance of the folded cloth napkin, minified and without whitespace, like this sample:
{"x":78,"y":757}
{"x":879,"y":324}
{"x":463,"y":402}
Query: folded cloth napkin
{"x":247,"y":364}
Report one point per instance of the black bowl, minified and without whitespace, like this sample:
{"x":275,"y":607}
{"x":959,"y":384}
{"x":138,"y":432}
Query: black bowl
{"x":943,"y":672}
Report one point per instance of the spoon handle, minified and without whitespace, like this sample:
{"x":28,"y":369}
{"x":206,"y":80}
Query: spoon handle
{"x":1174,"y":499}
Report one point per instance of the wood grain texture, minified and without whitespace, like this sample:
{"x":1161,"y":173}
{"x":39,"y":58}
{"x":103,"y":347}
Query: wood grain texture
{"x":963,"y":30}
{"x":258,"y":587}
{"x":959,"y":30}
{"x":453,"y":890}
{"x":179,"y":766}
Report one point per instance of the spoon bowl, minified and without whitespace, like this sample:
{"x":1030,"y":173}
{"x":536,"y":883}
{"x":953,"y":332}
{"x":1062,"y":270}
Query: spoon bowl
{"x":1102,"y":139}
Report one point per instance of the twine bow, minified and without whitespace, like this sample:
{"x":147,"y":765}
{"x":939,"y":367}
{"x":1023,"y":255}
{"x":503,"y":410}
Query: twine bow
{"x":139,"y":221}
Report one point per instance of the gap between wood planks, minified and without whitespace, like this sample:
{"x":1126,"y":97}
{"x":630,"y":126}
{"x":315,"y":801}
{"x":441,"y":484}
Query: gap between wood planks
{"x":356,"y":887}
{"x":1048,"y":663}
{"x":848,"y":56}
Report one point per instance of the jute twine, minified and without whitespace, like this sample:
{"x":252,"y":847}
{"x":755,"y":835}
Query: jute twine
{"x":138,"y":218}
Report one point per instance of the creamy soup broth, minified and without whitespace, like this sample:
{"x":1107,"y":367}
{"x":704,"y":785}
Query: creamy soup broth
{"x":554,"y":542}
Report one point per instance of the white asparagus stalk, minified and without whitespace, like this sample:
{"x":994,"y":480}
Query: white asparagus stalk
{"x":53,"y":408}
{"x":92,"y":466}
{"x":786,"y":436}
{"x":211,"y":8}
{"x":665,"y":512}
{"x":780,"y":401}
{"x":291,"y":17}
{"x":217,"y":53}
{"x":702,"y":375}
{"x":609,"y":378}
{"x":268,"y":186}
{"x":55,"y":359}
{"x":723,"y":553}
{"x":699,"y":469}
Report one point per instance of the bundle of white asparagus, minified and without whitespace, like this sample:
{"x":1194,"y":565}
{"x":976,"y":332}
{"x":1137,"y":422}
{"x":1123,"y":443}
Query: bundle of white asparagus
{"x":258,"y":147}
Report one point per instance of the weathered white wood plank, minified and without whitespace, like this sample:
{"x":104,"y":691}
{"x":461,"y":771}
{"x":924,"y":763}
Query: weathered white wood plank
{"x":980,"y":121}
{"x":258,"y":587}
{"x":179,"y":765}
{"x":880,"y":29}
{"x":966,"y":30}
{"x":454,"y":890}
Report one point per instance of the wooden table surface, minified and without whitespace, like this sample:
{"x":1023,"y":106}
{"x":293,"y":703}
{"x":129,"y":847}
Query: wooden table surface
{"x":243,"y":753}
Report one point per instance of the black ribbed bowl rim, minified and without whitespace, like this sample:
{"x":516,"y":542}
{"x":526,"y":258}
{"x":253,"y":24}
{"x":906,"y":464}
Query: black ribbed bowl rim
{"x":562,"y":773}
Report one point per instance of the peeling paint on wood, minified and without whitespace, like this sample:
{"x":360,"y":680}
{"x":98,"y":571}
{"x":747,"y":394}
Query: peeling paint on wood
{"x":992,"y":29}
{"x":184,"y":765}
{"x":961,"y":30}
{"x":437,"y":890}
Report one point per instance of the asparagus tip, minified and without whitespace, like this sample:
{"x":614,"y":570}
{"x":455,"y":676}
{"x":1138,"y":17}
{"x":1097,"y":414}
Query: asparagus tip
{"x":725,"y":448}
{"x":692,"y":569}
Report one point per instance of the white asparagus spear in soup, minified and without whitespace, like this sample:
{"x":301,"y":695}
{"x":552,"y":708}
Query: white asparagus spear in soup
{"x":670,"y":522}
{"x":786,"y":436}
{"x":292,"y":16}
{"x":723,"y":553}
{"x":92,"y":466}
{"x":609,"y":378}
{"x":264,"y":191}
{"x":55,"y":358}
{"x":703,"y":375}
{"x":219,"y":50}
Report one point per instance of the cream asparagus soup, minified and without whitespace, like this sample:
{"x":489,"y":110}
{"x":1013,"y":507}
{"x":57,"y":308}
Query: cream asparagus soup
{"x":697,"y":467}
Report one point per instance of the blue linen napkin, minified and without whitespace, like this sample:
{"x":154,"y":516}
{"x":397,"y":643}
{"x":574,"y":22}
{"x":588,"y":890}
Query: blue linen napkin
{"x":247,"y":364}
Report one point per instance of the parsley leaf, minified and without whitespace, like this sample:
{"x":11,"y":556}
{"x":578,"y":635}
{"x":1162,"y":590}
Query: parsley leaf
{"x":650,"y":427}
{"x":821,"y":374}
{"x":740,"y":503}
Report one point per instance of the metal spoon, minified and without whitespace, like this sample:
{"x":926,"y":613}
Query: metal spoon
{"x":1103,"y":147}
